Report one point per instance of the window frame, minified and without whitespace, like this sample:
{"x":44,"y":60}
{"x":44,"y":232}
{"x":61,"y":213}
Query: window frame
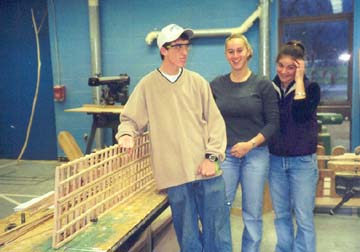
{"x":343,"y":107}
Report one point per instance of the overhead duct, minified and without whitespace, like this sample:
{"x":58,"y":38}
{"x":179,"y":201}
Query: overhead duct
{"x":151,"y":36}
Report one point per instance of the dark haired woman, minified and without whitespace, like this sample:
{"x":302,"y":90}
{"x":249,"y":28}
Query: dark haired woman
{"x":293,"y":166}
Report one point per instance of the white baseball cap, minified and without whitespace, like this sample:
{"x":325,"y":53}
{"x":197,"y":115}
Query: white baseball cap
{"x":172,"y":32}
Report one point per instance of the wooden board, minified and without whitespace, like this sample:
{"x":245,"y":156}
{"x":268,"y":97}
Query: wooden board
{"x":267,"y":205}
{"x":344,"y":165}
{"x":69,"y":145}
{"x":348,"y":174}
{"x":95,"y":108}
{"x":346,"y":156}
{"x":326,"y":183}
{"x":333,"y":201}
{"x":21,"y":229}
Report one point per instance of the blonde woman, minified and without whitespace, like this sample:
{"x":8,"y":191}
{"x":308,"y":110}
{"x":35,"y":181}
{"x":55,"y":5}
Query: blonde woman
{"x":249,"y":107}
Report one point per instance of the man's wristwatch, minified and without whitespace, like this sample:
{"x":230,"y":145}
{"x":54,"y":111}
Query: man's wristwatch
{"x":211,"y":157}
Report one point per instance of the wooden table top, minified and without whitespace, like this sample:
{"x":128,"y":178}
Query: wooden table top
{"x":111,"y":230}
{"x":348,"y":174}
{"x":348,"y":162}
{"x":97,"y":108}
{"x":344,"y":157}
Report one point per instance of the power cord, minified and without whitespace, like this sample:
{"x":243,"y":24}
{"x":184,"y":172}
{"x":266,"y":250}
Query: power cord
{"x":37,"y":30}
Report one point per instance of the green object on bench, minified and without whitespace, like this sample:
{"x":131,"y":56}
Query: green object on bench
{"x":330,"y":118}
{"x":324,"y":137}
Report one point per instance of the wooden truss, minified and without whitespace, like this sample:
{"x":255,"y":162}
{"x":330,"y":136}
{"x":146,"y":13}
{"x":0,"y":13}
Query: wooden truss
{"x":88,"y":187}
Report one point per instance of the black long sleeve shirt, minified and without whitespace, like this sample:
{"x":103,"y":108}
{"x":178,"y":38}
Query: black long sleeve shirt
{"x":297,"y":135}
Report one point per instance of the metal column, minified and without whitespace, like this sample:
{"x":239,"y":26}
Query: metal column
{"x":264,"y":51}
{"x":95,"y":47}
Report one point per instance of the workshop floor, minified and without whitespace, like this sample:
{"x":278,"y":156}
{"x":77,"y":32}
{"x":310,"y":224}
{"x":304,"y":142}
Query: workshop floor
{"x":24,"y":180}
{"x":338,"y":233}
{"x":20,"y":182}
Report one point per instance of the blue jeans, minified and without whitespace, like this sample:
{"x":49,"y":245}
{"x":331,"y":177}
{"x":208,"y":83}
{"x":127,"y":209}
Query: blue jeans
{"x":204,"y":200}
{"x":250,"y":172}
{"x":292,"y":183}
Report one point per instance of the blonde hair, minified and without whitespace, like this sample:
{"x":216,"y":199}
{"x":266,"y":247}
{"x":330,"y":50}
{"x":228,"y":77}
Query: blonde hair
{"x":243,"y":38}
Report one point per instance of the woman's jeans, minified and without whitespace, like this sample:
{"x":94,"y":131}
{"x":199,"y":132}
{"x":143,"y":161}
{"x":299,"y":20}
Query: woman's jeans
{"x":204,"y":200}
{"x":293,"y":189}
{"x":250,"y":172}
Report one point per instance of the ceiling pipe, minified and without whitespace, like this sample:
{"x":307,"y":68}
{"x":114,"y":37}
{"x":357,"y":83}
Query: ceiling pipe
{"x":151,"y":36}
{"x":95,"y":47}
{"x":264,"y":52}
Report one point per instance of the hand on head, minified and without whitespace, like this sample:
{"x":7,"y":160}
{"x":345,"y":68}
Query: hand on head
{"x":300,"y":69}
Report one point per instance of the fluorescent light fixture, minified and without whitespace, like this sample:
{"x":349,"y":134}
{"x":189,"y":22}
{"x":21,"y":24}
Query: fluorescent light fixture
{"x":336,"y":6}
{"x":344,"y":57}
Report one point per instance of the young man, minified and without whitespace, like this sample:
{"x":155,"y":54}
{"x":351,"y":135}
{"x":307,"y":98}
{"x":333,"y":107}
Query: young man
{"x":188,"y":137}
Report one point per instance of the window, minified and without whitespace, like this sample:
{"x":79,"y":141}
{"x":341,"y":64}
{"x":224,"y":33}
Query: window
{"x":325,"y":27}
{"x":306,"y":8}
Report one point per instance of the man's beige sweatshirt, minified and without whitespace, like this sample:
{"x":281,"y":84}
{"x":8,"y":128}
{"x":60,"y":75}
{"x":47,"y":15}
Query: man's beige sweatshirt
{"x":183,"y":121}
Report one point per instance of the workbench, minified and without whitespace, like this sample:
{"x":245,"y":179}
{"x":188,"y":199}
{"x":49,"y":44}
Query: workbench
{"x":110,"y":233}
{"x":326,"y":195}
{"x":100,"y":201}
{"x":104,"y":116}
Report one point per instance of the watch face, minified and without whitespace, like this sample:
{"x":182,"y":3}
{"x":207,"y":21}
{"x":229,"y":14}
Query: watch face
{"x":212,"y":158}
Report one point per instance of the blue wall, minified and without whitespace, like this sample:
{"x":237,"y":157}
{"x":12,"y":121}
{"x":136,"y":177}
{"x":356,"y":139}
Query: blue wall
{"x":124,"y":25}
{"x":18,"y":64}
